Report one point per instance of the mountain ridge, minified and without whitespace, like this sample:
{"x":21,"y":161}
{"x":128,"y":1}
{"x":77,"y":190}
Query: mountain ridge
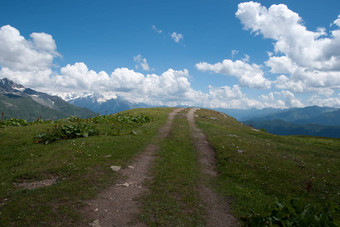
{"x":103,"y":105}
{"x":311,"y":120}
{"x":302,"y":115}
{"x":20,"y":102}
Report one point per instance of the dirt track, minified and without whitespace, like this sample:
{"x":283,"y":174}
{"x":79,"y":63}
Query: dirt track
{"x":218,"y":213}
{"x":115,"y":206}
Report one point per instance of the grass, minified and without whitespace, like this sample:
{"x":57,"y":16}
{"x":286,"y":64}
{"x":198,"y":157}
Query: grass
{"x":255,"y":169}
{"x":271,"y":166}
{"x":172,"y":199}
{"x":81,"y":166}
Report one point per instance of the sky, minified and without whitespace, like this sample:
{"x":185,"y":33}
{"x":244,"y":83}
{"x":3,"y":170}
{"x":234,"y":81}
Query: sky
{"x":207,"y":53}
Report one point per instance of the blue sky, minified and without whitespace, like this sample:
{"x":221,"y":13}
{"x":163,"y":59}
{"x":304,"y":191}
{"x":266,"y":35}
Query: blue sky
{"x":216,"y":53}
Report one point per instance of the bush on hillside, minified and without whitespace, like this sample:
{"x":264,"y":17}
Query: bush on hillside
{"x":120,"y":118}
{"x":63,"y":132}
{"x":13,"y":122}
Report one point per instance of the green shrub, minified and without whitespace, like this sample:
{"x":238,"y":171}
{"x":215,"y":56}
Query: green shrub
{"x":73,"y":119}
{"x":21,"y":122}
{"x":40,"y":122}
{"x":120,"y":118}
{"x":13,"y":122}
{"x":69,"y":131}
{"x":133,"y":119}
{"x":295,"y":213}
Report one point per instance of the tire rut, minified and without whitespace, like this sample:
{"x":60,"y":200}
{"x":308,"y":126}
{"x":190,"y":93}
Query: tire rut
{"x":218,"y":210}
{"x":115,"y":206}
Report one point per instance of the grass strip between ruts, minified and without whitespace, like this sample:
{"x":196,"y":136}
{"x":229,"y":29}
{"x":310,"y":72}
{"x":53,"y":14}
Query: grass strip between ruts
{"x":173,"y":199}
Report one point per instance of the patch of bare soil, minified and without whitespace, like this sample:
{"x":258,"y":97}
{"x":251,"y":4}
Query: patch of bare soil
{"x":218,"y":208}
{"x":115,"y":206}
{"x":30,"y":185}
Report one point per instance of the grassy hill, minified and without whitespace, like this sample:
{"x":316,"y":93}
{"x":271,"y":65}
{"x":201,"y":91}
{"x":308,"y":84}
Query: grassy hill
{"x":271,"y":166}
{"x":254,"y":168}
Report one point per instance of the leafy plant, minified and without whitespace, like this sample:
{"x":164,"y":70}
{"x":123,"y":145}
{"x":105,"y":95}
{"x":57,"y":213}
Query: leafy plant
{"x":120,"y":118}
{"x":62,"y":132}
{"x":133,"y":119}
{"x":73,"y":119}
{"x":294,"y":213}
{"x":13,"y":122}
{"x":40,"y":122}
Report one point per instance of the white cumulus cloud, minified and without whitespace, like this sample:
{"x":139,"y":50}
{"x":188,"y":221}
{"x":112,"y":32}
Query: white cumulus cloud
{"x":170,"y":88}
{"x":44,"y":42}
{"x":281,"y":99}
{"x":78,"y":77}
{"x":26,"y":61}
{"x":230,"y":97}
{"x":249,"y":75}
{"x":321,"y":101}
{"x":19,"y":54}
{"x":30,"y":62}
{"x":310,"y":58}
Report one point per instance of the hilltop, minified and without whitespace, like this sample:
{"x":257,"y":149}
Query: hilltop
{"x":55,"y":183}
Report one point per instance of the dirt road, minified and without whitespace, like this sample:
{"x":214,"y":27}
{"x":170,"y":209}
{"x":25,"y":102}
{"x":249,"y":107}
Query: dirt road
{"x":115,"y":206}
{"x":218,"y":213}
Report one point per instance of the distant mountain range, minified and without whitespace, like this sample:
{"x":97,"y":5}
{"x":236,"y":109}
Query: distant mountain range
{"x":307,"y":115}
{"x":280,"y":127}
{"x":247,"y":114}
{"x":20,"y":102}
{"x":103,"y":105}
{"x":312,"y":120}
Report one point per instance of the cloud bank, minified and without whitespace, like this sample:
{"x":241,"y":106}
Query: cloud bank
{"x":309,"y":61}
{"x":249,"y":75}
{"x":302,"y":61}
{"x":30,"y":62}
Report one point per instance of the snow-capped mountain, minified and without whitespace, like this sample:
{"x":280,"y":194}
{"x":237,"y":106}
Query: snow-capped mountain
{"x":107,"y":103}
{"x":20,"y":102}
{"x":8,"y":86}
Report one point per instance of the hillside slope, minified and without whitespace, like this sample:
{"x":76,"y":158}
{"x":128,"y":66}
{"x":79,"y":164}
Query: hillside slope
{"x":19,"y":102}
{"x":256,"y":167}
{"x":331,"y":118}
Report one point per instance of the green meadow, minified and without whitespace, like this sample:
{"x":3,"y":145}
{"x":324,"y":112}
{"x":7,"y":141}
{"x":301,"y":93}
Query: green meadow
{"x":264,"y":177}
